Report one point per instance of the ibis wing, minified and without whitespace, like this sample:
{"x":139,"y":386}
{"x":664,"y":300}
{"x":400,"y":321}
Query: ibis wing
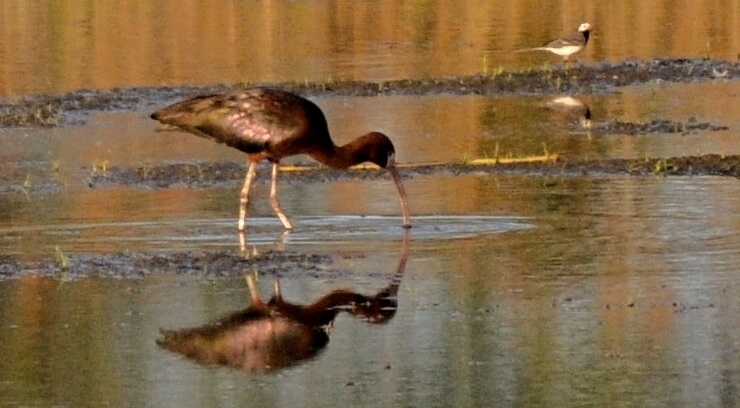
{"x":243,"y":119}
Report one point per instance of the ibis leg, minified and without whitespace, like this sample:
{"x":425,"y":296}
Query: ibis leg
{"x":278,"y":292}
{"x":275,"y":202}
{"x":401,"y":195}
{"x":281,"y":241}
{"x":244,"y":195}
{"x":252,"y":286}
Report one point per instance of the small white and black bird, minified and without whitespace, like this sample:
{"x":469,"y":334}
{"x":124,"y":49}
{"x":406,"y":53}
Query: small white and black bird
{"x":566,"y":46}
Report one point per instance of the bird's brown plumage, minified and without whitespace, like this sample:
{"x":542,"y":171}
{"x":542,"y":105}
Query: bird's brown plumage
{"x":247,"y":119}
{"x":272,"y":124}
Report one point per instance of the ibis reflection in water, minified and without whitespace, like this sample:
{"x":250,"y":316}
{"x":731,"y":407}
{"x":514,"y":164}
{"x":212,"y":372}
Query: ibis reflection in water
{"x":271,"y":335}
{"x":269,"y":124}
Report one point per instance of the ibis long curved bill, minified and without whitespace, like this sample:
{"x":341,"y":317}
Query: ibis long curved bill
{"x":401,"y":194}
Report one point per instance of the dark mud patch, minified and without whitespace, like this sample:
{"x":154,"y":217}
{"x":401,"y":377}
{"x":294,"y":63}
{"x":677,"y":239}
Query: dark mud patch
{"x":658,"y":126}
{"x":30,"y":178}
{"x":205,"y":175}
{"x":211,"y":265}
{"x":29,"y":113}
{"x":71,"y":108}
{"x":707,"y":165}
{"x":230,"y":174}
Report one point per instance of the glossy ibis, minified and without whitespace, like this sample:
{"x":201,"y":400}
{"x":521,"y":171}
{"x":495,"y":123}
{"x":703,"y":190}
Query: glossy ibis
{"x":269,"y":124}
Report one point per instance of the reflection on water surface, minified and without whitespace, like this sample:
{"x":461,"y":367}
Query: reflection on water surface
{"x":272,"y":335}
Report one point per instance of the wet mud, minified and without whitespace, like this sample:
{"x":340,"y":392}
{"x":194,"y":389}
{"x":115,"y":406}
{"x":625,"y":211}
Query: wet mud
{"x":205,"y":265}
{"x":688,"y":127}
{"x":205,"y":175}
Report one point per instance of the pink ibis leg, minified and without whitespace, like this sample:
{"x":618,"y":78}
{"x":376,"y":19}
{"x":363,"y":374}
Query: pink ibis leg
{"x":252,"y":285}
{"x":278,"y":291}
{"x":275,"y":202}
{"x":244,"y":195}
{"x":401,"y":194}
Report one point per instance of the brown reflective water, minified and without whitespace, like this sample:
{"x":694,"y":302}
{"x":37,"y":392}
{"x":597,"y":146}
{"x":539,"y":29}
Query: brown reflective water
{"x":519,"y":289}
{"x":49,"y":46}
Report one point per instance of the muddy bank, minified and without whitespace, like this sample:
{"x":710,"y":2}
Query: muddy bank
{"x":70,"y":108}
{"x":232,"y":173}
{"x":656,"y":126}
{"x":211,"y":265}
{"x":42,"y":180}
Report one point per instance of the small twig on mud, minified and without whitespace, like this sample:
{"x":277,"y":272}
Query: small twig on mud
{"x":27,"y":182}
{"x":62,"y":259}
{"x":558,"y":83}
{"x":691,"y":70}
{"x":545,"y":149}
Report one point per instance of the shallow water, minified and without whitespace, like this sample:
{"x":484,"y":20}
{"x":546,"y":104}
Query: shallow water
{"x":424,"y":128}
{"x":518,"y":289}
{"x":597,"y":290}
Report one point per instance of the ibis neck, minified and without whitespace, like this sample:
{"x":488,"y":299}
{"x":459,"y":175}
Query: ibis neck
{"x":340,"y":157}
{"x":585,"y":37}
